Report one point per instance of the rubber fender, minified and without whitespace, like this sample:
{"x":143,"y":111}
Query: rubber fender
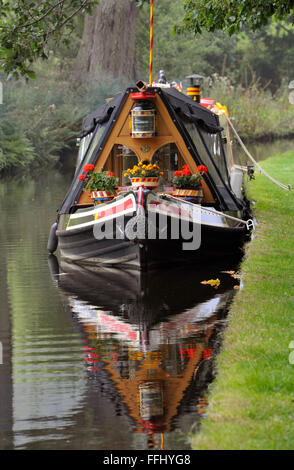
{"x":52,"y":240}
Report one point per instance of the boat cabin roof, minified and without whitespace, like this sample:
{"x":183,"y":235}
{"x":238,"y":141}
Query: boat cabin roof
{"x":195,"y":131}
{"x":181,"y":104}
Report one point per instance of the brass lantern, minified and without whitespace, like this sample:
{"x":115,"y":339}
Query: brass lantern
{"x":143,"y":120}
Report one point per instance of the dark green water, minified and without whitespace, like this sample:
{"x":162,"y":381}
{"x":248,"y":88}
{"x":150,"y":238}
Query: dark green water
{"x":262,"y":150}
{"x":104,"y":360}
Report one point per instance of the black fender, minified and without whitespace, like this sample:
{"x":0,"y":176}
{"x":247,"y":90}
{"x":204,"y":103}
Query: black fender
{"x":52,"y":240}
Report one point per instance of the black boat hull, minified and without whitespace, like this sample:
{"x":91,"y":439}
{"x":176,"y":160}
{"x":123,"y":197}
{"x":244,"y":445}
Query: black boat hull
{"x":81,"y":246}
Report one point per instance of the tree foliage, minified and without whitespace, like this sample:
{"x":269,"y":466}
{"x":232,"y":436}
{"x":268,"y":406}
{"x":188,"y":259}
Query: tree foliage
{"x":40,"y":119}
{"x":265,"y":54}
{"x":181,"y":55}
{"x":231,"y":15}
{"x":26,"y":27}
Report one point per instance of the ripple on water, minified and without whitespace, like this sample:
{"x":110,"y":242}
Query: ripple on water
{"x":48,"y":386}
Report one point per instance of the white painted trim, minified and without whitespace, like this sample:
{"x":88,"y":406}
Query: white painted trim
{"x":100,"y":208}
{"x":131,"y":210}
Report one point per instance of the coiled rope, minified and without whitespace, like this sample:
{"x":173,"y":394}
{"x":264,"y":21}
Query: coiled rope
{"x":261,"y":170}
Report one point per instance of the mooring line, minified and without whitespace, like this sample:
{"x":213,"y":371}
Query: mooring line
{"x":261,"y":170}
{"x":249,"y":223}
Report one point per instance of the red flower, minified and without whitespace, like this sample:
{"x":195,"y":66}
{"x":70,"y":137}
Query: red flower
{"x":110,"y":173}
{"x":186,"y":172}
{"x":177,"y":173}
{"x":88,"y":168}
{"x":82,"y":177}
{"x":202,"y":169}
{"x":185,"y":167}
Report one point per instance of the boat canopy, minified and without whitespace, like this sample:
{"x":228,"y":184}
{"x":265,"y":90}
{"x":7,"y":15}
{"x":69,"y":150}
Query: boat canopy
{"x":100,"y":115}
{"x":190,"y":110}
{"x":181,"y":104}
{"x":198,"y":126}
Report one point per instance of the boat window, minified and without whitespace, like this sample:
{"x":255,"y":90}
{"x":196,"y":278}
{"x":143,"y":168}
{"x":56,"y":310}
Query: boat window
{"x":84,"y":144}
{"x":227,"y":145}
{"x":214,"y":145}
{"x":88,"y":154}
{"x":203,"y":153}
{"x":202,"y":148}
{"x":119,"y":160}
{"x":169,"y":160}
{"x":93,"y":144}
{"x":128,"y":159}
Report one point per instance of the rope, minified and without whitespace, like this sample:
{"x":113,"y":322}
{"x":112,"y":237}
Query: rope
{"x":261,"y":170}
{"x":249,"y":223}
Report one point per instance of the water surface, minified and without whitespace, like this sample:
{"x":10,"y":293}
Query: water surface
{"x":104,"y":359}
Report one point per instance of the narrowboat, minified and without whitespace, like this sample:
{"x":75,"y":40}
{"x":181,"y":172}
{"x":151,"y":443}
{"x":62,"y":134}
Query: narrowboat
{"x":178,"y":195}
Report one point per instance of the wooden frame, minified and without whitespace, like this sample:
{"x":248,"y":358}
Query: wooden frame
{"x":167,"y":133}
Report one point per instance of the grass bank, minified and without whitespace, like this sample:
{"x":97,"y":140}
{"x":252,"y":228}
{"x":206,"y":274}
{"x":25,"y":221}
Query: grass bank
{"x":251,"y":401}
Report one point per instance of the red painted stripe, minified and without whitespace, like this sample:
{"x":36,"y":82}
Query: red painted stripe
{"x":128,"y":204}
{"x":170,"y":209}
{"x":142,"y":95}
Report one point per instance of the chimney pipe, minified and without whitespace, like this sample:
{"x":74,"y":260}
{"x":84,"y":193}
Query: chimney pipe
{"x":193,"y":90}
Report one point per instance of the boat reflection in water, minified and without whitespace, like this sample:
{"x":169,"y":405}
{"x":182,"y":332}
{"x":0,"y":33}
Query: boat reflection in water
{"x":151,"y":337}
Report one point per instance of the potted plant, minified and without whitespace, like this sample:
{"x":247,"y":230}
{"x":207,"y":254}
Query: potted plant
{"x":144,"y":174}
{"x":188,"y":185}
{"x":102,"y":185}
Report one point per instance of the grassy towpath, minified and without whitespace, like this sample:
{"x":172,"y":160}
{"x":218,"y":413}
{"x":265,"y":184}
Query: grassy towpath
{"x":251,"y":402}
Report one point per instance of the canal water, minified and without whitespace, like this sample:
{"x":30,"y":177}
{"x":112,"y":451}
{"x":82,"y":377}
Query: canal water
{"x":105,"y":359}
{"x":262,"y":150}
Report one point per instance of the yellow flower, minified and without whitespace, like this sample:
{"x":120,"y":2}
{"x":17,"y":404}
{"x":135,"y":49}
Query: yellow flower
{"x":161,"y":173}
{"x":126,"y":174}
{"x":144,"y":166}
{"x":143,"y":172}
{"x":140,"y":163}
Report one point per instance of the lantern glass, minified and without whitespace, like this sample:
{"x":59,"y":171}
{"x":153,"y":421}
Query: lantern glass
{"x":143,"y":121}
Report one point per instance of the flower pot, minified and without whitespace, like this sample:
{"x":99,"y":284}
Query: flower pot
{"x":101,"y":196}
{"x":150,"y":182}
{"x":192,"y":195}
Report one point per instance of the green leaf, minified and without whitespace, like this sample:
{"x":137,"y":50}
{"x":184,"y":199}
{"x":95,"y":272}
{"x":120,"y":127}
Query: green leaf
{"x":30,"y":74}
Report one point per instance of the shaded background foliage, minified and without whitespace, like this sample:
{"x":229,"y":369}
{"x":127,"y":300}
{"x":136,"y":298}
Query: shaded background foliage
{"x":248,"y":71}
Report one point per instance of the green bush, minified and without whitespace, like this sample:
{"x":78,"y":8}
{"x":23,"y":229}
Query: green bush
{"x":41,"y":118}
{"x":257,"y":113}
{"x":15,"y":148}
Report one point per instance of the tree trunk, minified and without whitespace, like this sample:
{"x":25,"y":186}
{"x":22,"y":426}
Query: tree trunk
{"x":108,"y":42}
